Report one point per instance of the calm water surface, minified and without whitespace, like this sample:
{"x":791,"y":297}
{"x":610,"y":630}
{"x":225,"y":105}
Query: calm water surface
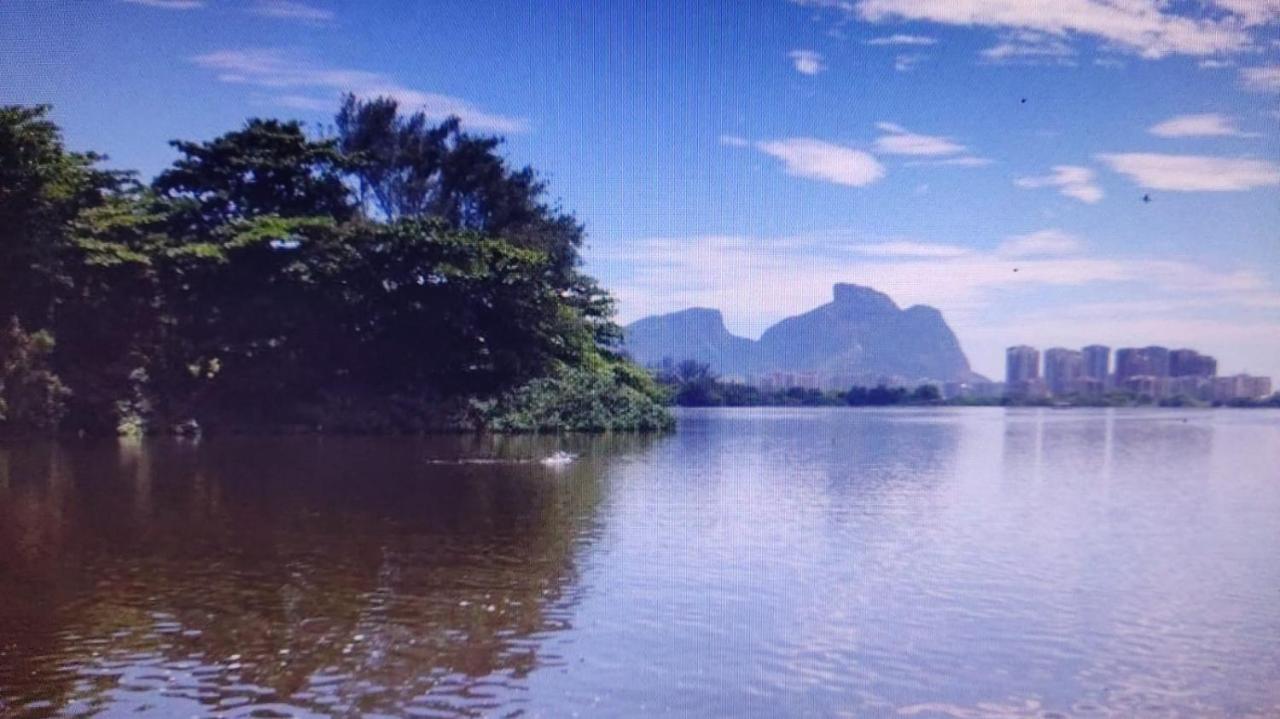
{"x":950,"y":563}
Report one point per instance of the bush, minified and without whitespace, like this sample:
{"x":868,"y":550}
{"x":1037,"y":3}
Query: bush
{"x":32,"y":398}
{"x":579,"y":400}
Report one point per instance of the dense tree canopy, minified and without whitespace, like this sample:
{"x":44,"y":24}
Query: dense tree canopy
{"x":43,"y":188}
{"x":388,"y":277}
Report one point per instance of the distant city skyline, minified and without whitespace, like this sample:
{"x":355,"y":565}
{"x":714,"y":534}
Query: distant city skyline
{"x":1054,"y":173}
{"x":1153,"y":370}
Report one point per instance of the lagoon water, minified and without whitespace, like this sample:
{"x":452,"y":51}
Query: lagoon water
{"x":825,"y":562}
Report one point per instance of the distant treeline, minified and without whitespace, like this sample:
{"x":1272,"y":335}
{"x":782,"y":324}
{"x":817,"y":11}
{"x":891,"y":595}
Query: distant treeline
{"x":390,"y":274}
{"x":693,"y":384}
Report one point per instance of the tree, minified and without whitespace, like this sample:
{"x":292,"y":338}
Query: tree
{"x":32,"y":398}
{"x":926,"y":393}
{"x":696,"y":385}
{"x":878,"y":396}
{"x":43,"y":188}
{"x":255,"y":283}
{"x":269,"y":167}
{"x":406,"y":167}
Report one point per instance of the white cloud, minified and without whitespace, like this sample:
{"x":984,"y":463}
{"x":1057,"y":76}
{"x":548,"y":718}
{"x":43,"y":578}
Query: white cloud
{"x":734,"y":141}
{"x":963,"y":161}
{"x":1209,"y":124}
{"x":306,"y":102}
{"x":1071,"y":180}
{"x":901,"y":39}
{"x":1193,"y":173}
{"x":819,"y":160}
{"x":280,"y":71}
{"x":1212,"y":64}
{"x":906,"y":248}
{"x":1042,"y":243}
{"x":169,"y":4}
{"x":1261,"y":79}
{"x":806,"y":62}
{"x":1030,"y":48}
{"x":291,"y":10}
{"x":1252,"y":12}
{"x":907,"y":62}
{"x":1149,"y":28}
{"x":898,"y":140}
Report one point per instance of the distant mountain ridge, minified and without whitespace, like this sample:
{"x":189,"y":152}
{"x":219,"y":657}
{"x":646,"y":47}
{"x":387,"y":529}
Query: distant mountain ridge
{"x":860,"y":333}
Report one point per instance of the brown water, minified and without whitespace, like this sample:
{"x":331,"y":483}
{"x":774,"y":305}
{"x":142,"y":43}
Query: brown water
{"x":958,"y":563}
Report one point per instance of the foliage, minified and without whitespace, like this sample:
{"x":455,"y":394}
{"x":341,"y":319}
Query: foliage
{"x":268,"y":168}
{"x":576,"y":400}
{"x":377,"y":280}
{"x":882,"y":396}
{"x":43,"y":188}
{"x":32,"y":398}
{"x":693,"y":384}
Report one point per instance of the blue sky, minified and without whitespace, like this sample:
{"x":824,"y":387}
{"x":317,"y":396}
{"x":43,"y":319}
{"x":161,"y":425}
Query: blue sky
{"x":986,"y":157}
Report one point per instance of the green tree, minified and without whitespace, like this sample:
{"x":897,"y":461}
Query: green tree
{"x":43,"y":188}
{"x":257,"y":281}
{"x":269,"y":167}
{"x":406,"y":167}
{"x":926,"y":394}
{"x":32,"y":398}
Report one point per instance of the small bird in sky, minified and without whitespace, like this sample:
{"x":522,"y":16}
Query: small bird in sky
{"x":1146,"y":198}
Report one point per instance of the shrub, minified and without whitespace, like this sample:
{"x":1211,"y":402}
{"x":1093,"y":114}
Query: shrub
{"x":32,"y":398}
{"x":577,"y":400}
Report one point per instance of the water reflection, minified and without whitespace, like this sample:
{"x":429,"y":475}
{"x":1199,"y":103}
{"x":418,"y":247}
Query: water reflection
{"x":923,"y":562}
{"x":334,"y":576}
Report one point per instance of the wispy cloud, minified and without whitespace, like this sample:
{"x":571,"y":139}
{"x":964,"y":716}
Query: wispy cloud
{"x":967,"y":161}
{"x":1030,"y":48}
{"x":806,"y":62}
{"x":898,"y":140}
{"x":169,"y":4}
{"x":1210,"y":124}
{"x":288,"y":74}
{"x":962,"y":161}
{"x":1262,"y":79}
{"x":1252,"y":12}
{"x":1193,"y":173}
{"x":817,"y":159}
{"x":291,"y":10}
{"x":1149,"y":28}
{"x":906,"y":62}
{"x":1042,"y":243}
{"x":907,"y":248}
{"x":930,"y":149}
{"x":1070,"y":180}
{"x":901,"y":39}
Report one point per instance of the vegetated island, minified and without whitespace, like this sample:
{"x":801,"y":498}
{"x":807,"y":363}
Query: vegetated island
{"x":387,"y":275}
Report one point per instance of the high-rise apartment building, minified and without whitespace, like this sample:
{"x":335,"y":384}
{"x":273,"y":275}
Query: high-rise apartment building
{"x":1063,"y":369}
{"x":1158,"y":359}
{"x":1022,"y":363}
{"x":1189,"y":363}
{"x":1097,"y":362}
{"x":1141,"y":362}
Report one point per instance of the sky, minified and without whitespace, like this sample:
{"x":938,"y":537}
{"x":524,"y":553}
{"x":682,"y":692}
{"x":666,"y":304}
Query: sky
{"x":1064,"y":172}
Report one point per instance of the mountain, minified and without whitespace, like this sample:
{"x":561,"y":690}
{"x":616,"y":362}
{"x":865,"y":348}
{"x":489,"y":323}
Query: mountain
{"x":698,"y":334}
{"x":860,"y":333}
